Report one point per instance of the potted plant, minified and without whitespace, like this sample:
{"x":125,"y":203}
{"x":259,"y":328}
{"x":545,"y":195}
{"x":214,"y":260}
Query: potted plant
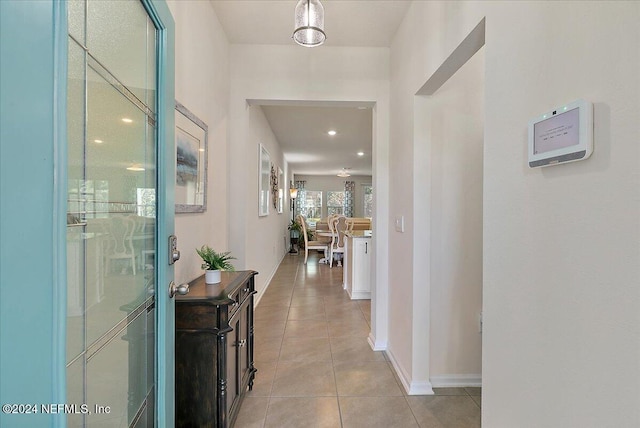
{"x":295,"y":232}
{"x":213,"y":263}
{"x":295,"y":229}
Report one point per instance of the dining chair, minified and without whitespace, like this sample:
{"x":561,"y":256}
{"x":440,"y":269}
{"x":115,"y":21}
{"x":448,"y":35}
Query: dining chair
{"x":350,"y":222}
{"x":120,"y":243}
{"x":337,"y":238}
{"x":310,"y":244}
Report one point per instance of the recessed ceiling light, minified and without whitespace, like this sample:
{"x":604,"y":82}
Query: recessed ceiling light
{"x":127,"y":120}
{"x":98,"y":141}
{"x":332,"y":132}
{"x":360,"y":153}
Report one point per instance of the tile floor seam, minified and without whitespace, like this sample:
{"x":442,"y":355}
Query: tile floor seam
{"x":406,"y":400}
{"x":335,"y":380}
{"x":313,"y":286}
{"x":277,"y":362}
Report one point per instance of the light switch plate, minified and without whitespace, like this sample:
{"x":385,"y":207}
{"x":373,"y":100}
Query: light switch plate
{"x":400,"y":224}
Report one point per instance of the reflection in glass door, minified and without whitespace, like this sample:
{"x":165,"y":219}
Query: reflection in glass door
{"x":111,"y":217}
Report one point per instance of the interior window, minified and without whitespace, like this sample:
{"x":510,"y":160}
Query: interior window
{"x":311,"y":206}
{"x":335,"y":203}
{"x":368,"y":200}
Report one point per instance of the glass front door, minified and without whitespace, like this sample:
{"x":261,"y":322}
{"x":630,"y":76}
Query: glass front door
{"x":111,"y":213}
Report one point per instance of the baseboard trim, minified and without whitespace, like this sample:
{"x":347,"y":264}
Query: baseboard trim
{"x":376,"y":346}
{"x":268,"y":282}
{"x":411,"y":387}
{"x":359,"y":295}
{"x":456,"y":380}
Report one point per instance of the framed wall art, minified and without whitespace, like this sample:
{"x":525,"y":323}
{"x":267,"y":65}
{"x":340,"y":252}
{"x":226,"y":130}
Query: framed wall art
{"x":264,"y":181}
{"x":280,"y":191}
{"x":191,"y":162}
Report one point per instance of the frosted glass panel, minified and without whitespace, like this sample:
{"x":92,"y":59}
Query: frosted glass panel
{"x":76,"y":19}
{"x":122,"y":37}
{"x":75,"y":208}
{"x":108,"y":380}
{"x":115,"y":378}
{"x":75,"y":391}
{"x":123,"y":163}
{"x":111,"y":215}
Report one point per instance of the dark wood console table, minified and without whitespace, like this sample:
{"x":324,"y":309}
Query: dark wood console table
{"x":214,"y":350}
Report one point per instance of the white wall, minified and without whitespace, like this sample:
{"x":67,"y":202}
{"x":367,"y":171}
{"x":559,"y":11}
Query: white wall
{"x":456,"y":138}
{"x":331,"y":183}
{"x":202,"y":85}
{"x":415,"y":52}
{"x":561,"y":260}
{"x":267,"y":236}
{"x":562,"y":254}
{"x":294,"y":75}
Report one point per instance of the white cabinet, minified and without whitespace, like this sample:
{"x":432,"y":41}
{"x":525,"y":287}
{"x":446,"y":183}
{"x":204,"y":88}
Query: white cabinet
{"x":357,"y":267}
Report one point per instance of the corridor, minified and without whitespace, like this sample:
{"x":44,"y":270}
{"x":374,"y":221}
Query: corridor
{"x":316,"y":368}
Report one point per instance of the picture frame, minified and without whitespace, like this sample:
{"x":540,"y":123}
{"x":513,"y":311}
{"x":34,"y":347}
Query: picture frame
{"x":280,"y":191}
{"x":191,"y":161}
{"x":264,"y":180}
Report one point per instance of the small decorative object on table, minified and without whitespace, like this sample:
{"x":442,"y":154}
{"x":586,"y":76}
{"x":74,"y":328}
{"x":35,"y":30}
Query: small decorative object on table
{"x":213,"y":263}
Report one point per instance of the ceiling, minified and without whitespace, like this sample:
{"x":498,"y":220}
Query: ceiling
{"x":346,"y":22}
{"x":308,"y":148}
{"x":302,"y":130}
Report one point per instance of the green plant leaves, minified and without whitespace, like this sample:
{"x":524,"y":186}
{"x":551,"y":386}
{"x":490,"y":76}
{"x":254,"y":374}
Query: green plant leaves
{"x":214,"y":260}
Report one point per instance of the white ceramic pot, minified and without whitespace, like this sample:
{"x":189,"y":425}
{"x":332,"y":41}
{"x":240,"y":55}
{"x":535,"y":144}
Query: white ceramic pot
{"x":212,"y":276}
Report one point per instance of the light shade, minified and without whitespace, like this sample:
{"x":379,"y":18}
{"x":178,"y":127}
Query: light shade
{"x":293,"y":192}
{"x":309,"y":23}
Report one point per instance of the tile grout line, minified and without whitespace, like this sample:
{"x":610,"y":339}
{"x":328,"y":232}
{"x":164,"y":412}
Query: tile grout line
{"x":266,"y":412}
{"x":324,"y":291}
{"x":333,"y":366}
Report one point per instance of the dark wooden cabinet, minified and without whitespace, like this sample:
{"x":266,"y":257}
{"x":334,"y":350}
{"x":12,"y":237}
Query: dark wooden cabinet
{"x":214,"y":350}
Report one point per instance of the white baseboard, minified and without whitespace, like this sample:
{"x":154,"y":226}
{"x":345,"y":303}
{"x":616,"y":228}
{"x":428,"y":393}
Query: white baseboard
{"x":420,"y":388}
{"x":456,"y":380}
{"x":258,"y":297}
{"x":376,"y":346}
{"x":411,"y":387}
{"x":359,"y":295}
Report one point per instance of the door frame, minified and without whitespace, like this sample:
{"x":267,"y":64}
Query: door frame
{"x":165,"y":190}
{"x":33,"y":182}
{"x":33,"y":74}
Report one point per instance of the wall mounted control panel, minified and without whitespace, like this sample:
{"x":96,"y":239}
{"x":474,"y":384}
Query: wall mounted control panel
{"x":564,"y":134}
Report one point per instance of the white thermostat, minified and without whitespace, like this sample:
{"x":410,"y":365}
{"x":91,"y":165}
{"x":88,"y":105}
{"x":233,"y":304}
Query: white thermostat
{"x":564,"y":134}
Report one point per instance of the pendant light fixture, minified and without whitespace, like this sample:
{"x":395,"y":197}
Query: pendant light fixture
{"x":309,"y":20}
{"x":344,"y":173}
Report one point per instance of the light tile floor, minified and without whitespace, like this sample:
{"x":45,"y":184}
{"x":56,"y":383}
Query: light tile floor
{"x":316,"y":368}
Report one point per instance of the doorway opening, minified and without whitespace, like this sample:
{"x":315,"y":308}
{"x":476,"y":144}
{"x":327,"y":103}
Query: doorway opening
{"x":450,"y":140}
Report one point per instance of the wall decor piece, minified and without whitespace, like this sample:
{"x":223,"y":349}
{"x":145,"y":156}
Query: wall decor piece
{"x":280,"y":191}
{"x":274,"y":187}
{"x":264,"y":184}
{"x":191,"y":162}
